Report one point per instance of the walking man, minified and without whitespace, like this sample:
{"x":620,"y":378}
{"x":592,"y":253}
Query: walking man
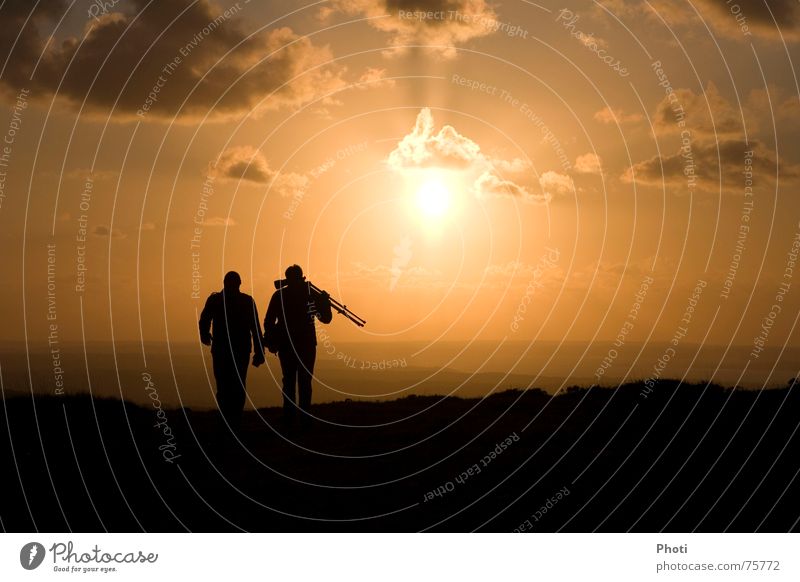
{"x":229,"y":324}
{"x":289,"y":330}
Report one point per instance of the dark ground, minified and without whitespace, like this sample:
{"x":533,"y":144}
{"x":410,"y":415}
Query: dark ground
{"x":684,"y":458}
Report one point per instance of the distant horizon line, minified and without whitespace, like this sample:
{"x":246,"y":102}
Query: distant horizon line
{"x":127,"y":344}
{"x":19,"y":343}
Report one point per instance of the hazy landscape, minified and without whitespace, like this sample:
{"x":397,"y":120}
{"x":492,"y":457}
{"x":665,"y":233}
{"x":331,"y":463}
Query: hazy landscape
{"x":384,"y":371}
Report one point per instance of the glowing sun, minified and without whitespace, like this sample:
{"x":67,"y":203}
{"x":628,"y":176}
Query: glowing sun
{"x":433,"y":199}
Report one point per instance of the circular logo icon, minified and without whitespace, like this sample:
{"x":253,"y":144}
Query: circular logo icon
{"x":31,"y":555}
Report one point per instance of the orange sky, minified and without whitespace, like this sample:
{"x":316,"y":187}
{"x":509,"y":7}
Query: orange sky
{"x":479,"y":170}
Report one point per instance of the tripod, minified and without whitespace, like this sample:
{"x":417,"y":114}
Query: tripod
{"x":339,"y":307}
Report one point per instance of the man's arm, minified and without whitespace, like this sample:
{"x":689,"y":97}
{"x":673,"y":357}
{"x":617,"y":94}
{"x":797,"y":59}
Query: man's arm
{"x":206,"y":316}
{"x":272,"y":315}
{"x":270,"y":329}
{"x":258,"y":338}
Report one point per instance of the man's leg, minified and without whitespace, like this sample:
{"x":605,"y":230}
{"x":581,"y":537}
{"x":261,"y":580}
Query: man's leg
{"x":289,"y":365}
{"x":305,"y":373}
{"x":230,"y":374}
{"x":238,"y":393}
{"x":223,"y":368}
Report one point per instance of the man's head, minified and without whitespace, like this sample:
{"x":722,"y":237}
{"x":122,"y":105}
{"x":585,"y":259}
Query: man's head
{"x":232,"y":281}
{"x":294,"y":275}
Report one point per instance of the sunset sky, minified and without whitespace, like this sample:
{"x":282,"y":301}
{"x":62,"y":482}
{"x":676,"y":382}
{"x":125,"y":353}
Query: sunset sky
{"x":450,"y":169}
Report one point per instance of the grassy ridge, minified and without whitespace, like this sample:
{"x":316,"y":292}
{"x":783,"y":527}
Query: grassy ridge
{"x":684,"y":457}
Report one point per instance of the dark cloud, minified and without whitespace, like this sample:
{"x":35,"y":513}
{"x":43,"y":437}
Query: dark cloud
{"x":247,"y":163}
{"x":763,"y":18}
{"x":706,"y":113}
{"x":707,"y":160}
{"x":769,"y":19}
{"x":448,"y":24}
{"x":790,"y":109}
{"x":129,"y":70}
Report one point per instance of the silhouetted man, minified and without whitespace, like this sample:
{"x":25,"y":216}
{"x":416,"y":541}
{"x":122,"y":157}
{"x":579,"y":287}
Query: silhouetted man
{"x":229,"y":324}
{"x":289,"y":330}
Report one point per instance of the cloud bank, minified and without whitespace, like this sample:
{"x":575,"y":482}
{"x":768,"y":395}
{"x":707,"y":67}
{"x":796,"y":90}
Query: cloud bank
{"x":142,"y":61}
{"x":712,"y":162}
{"x":444,"y":24}
{"x":737,"y":19}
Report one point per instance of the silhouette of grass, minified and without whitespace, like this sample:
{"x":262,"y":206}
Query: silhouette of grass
{"x":685,"y":457}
